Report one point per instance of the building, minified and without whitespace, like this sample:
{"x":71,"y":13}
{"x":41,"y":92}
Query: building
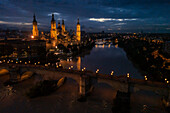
{"x":59,"y":34}
{"x":78,"y":33}
{"x":53,"y":32}
{"x":23,"y":49}
{"x":35,"y":31}
{"x":63,"y":27}
{"x":167,"y":47}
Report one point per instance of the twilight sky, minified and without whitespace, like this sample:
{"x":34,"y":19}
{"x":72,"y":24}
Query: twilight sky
{"x":95,"y":15}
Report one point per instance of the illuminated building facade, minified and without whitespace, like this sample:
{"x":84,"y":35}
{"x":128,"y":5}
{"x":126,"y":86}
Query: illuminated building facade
{"x":78,"y":33}
{"x":35,"y":31}
{"x":63,"y":28}
{"x":60,"y":35}
{"x":53,"y":32}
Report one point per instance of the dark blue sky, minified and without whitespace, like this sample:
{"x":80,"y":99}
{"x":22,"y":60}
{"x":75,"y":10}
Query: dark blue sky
{"x":95,"y":15}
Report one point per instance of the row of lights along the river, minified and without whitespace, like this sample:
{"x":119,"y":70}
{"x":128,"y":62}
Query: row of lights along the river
{"x":71,"y":67}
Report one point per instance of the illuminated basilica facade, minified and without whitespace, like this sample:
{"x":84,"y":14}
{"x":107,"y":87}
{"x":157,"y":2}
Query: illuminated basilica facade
{"x":59,"y":35}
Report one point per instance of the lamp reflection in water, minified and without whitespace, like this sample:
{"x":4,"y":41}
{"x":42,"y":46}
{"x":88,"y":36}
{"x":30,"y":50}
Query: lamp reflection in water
{"x":79,"y":63}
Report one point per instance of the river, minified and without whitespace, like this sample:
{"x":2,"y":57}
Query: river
{"x":106,"y":58}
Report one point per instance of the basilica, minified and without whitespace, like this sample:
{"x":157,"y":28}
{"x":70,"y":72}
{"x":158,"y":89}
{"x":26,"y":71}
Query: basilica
{"x":59,"y":34}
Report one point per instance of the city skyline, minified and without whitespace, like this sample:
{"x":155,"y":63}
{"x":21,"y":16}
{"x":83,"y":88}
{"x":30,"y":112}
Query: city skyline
{"x":95,"y":16}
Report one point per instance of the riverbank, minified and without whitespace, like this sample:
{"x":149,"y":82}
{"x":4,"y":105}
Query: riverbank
{"x":141,"y":53}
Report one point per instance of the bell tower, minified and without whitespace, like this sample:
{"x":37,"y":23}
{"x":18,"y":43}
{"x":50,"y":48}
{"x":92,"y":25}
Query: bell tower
{"x":53,"y":28}
{"x":63,"y":27}
{"x":35,"y":31}
{"x":78,"y":33}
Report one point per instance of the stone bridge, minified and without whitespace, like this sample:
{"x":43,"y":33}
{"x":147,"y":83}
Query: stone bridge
{"x":87,"y":79}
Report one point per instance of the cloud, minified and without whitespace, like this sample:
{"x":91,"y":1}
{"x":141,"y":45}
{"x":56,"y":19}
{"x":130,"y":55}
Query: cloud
{"x":111,"y":19}
{"x":137,"y":14}
{"x":120,"y":24}
{"x":55,"y":13}
{"x":14,"y":23}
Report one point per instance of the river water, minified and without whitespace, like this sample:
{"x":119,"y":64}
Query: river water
{"x":106,"y":58}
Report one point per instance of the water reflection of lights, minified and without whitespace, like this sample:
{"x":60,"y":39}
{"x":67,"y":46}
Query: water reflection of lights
{"x":116,"y":46}
{"x":109,"y":46}
{"x":103,"y":46}
{"x":99,"y":46}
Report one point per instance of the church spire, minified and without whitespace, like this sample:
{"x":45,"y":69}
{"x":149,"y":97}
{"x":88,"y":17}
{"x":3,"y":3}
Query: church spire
{"x":34,"y":18}
{"x":62,"y":22}
{"x":35,"y":31}
{"x":58,"y":23}
{"x":78,"y":21}
{"x":78,"y":33}
{"x":52,"y":17}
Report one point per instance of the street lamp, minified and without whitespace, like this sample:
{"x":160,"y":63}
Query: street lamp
{"x":128,"y":75}
{"x":97,"y":71}
{"x":112,"y":72}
